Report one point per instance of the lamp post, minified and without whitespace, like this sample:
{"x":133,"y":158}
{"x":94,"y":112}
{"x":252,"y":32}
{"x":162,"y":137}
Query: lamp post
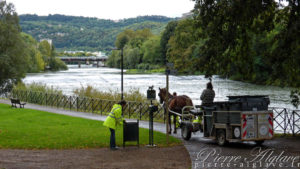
{"x":120,"y":44}
{"x":122,"y":89}
{"x":122,"y":72}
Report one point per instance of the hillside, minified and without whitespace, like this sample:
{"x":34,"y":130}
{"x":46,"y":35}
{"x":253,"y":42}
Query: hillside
{"x":84,"y":33}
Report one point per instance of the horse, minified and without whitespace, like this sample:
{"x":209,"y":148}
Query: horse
{"x":176,"y":104}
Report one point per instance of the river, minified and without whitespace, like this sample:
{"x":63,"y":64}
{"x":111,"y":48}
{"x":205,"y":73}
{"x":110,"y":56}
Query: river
{"x":106,"y":79}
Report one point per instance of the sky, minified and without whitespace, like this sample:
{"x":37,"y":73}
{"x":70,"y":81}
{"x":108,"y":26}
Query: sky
{"x":104,"y":9}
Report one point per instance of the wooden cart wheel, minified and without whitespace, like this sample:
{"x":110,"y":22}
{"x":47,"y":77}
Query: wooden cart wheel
{"x":221,"y":137}
{"x":259,"y":142}
{"x":186,"y":133}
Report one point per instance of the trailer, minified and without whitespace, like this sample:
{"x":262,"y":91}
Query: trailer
{"x":241,"y":118}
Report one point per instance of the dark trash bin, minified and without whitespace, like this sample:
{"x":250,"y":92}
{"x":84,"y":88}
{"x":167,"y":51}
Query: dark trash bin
{"x":130,"y":132}
{"x":251,"y":103}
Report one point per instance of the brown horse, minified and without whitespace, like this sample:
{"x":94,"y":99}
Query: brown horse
{"x":176,"y":104}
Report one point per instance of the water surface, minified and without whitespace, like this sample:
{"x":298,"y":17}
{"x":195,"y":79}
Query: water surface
{"x":106,"y":79}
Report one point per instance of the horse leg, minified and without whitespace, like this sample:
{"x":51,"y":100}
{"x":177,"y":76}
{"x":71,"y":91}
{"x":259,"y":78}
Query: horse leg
{"x":174,"y":121}
{"x":170,"y":124}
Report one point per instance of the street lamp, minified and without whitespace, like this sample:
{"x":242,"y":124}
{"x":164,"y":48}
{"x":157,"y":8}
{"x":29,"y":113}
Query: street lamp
{"x":121,"y":41}
{"x":122,"y":72}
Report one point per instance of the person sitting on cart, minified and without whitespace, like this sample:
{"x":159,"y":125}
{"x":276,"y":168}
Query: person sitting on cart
{"x":208,"y":95}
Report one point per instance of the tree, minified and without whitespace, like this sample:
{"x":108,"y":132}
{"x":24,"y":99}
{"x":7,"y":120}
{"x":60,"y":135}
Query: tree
{"x":181,"y":46}
{"x":228,"y":28}
{"x":151,"y":51}
{"x":123,"y":38}
{"x":35,"y":62}
{"x":45,"y":49}
{"x":13,"y":60}
{"x":286,"y":49}
{"x":131,"y":57}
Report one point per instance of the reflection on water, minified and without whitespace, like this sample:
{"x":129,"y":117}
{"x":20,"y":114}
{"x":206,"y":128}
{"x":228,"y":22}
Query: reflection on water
{"x":109,"y":79}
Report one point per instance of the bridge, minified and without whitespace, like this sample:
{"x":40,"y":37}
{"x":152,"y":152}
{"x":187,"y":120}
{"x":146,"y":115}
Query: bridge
{"x":85,"y":59}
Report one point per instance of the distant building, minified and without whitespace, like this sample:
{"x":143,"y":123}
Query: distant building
{"x":99,"y":54}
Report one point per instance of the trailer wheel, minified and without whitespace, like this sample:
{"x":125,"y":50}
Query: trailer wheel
{"x":259,"y":142}
{"x":221,"y":137}
{"x":186,"y":132}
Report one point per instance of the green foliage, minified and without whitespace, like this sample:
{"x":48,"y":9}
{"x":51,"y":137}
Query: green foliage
{"x":33,"y":129}
{"x":151,"y":51}
{"x":56,"y":64}
{"x":13,"y":60}
{"x":122,"y":39}
{"x":251,"y":41}
{"x":88,"y":34}
{"x":37,"y":87}
{"x":147,"y":70}
{"x":36,"y":62}
{"x":114,"y":60}
{"x":48,"y":52}
{"x":181,"y":45}
{"x":92,"y":92}
{"x":132,"y":57}
{"x":76,"y":54}
{"x":139,"y":47}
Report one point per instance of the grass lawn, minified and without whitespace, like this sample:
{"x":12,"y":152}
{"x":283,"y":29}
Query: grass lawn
{"x":33,"y":129}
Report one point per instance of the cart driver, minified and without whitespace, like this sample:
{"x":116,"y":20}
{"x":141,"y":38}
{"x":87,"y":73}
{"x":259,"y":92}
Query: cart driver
{"x":208,"y":95}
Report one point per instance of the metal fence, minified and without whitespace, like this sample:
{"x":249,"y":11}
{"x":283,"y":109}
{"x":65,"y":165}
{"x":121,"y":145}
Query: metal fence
{"x":137,"y":110}
{"x":286,"y":121}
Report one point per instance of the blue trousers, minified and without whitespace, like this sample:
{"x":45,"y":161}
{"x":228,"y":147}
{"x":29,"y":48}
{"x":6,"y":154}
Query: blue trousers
{"x":112,"y":138}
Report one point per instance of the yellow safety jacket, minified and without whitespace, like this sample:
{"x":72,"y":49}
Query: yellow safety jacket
{"x":114,"y":118}
{"x":198,"y":120}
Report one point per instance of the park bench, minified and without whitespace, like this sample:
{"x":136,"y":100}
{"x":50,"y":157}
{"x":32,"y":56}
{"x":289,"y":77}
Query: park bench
{"x":14,"y":103}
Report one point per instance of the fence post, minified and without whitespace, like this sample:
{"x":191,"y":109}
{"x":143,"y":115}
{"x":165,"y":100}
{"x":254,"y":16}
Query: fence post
{"x":77,"y":104}
{"x":140,"y":111}
{"x":293,"y":113}
{"x":57,"y":101}
{"x":101,"y":101}
{"x":70,"y":99}
{"x":128,"y":109}
{"x":28,"y":95}
{"x":285,"y":125}
{"x":92,"y":105}
{"x":164,"y":115}
{"x":46,"y":102}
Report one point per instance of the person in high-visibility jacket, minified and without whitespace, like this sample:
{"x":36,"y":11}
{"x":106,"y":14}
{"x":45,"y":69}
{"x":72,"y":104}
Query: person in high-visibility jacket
{"x":113,"y":120}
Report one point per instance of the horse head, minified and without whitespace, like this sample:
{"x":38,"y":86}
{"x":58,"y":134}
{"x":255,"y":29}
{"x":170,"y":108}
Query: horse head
{"x":161,"y":95}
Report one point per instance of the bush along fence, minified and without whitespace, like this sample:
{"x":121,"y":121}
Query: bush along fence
{"x":134,"y":110}
{"x":286,"y":121}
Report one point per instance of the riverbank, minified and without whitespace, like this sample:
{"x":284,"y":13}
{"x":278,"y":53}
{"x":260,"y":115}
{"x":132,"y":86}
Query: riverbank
{"x":142,"y":71}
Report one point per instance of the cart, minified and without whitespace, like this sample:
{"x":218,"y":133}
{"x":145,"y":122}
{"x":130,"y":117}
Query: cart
{"x":241,"y":118}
